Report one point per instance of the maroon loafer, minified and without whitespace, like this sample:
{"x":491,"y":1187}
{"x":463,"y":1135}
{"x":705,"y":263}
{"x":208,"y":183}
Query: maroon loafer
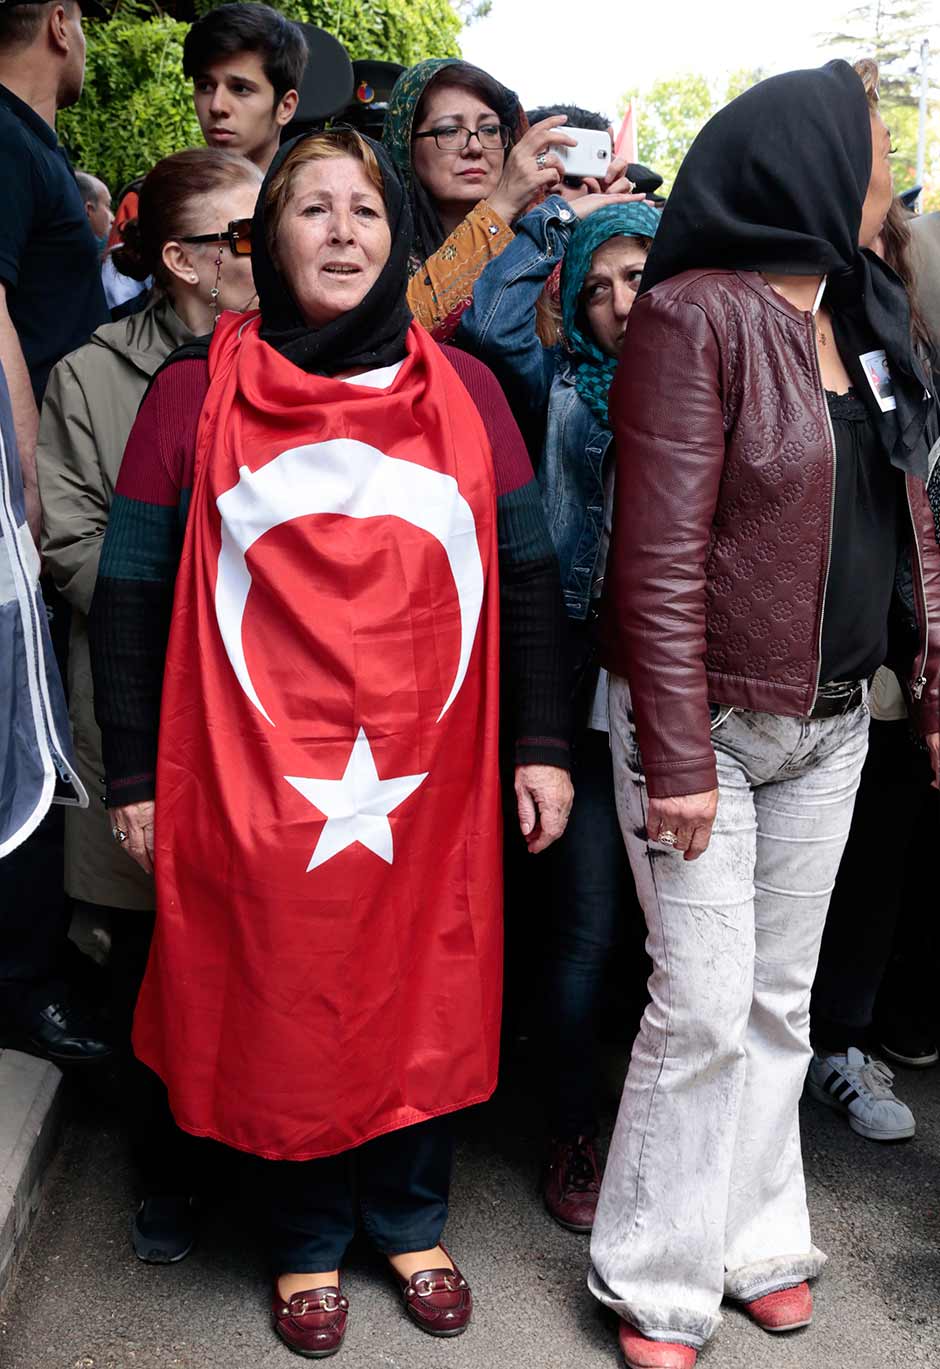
{"x":312,"y":1323}
{"x":438,"y":1300}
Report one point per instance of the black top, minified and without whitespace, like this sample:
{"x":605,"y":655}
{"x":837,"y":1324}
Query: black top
{"x":48,"y":252}
{"x":866,"y":542}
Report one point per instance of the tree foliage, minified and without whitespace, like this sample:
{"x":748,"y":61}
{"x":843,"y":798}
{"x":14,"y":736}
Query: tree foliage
{"x":137,"y":107}
{"x":892,"y":31}
{"x":674,"y":108}
{"x":393,"y":30}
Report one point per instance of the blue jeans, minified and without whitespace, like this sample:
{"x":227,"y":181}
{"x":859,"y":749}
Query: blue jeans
{"x":593,"y":904}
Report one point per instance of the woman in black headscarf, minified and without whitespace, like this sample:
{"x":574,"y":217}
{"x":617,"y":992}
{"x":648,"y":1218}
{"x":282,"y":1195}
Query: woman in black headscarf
{"x":361,"y":526}
{"x":773,"y":433}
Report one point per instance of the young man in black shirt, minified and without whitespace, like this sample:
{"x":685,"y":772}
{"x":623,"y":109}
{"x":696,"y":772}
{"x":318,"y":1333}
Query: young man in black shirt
{"x":246,"y":63}
{"x":51,"y":301}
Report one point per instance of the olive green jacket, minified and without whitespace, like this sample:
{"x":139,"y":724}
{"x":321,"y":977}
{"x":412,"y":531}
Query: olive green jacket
{"x":88,"y":410}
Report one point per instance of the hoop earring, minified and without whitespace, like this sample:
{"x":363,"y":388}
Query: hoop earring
{"x":216,"y":290}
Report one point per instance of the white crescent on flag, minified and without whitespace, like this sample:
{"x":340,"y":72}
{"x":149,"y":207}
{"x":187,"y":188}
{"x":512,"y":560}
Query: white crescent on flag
{"x":347,"y":477}
{"x":343,"y":476}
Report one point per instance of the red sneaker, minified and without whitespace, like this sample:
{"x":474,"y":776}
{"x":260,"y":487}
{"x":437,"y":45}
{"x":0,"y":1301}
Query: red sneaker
{"x":640,"y":1353}
{"x":786,"y":1310}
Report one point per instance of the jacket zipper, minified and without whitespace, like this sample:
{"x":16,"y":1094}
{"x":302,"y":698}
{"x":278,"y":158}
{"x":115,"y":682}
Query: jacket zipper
{"x":918,"y":685}
{"x":832,"y":502}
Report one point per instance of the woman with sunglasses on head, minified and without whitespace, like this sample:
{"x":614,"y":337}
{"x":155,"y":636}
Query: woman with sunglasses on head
{"x":182,"y":237}
{"x":472,"y":167}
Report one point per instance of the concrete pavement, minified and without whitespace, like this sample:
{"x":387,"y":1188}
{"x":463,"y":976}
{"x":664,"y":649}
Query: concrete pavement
{"x":30,"y":1112}
{"x":82,"y":1301}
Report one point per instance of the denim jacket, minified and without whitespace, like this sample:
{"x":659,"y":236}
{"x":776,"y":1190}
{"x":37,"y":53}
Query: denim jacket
{"x":499,"y":327}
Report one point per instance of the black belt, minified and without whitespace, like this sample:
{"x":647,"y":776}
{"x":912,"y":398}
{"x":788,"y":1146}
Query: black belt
{"x":839,"y":697}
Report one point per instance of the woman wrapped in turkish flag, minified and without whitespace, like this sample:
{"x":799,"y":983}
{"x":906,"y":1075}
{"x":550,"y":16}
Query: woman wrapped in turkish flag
{"x":319,"y":521}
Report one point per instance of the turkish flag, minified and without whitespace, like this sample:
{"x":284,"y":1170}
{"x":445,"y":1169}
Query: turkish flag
{"x":327,"y":959}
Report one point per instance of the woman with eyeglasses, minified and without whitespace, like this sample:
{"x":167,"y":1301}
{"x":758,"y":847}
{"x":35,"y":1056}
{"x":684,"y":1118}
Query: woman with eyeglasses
{"x":472,"y":167}
{"x":185,"y":238}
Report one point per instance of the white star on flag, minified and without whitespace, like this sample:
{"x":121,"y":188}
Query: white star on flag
{"x":356,"y":807}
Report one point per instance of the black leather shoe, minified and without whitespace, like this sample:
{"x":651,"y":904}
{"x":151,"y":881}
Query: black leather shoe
{"x":60,"y":1032}
{"x":164,"y":1230}
{"x":907,"y":1040}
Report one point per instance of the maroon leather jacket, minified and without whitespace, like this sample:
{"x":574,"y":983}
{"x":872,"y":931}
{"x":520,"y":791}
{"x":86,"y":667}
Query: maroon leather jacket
{"x":722,"y":523}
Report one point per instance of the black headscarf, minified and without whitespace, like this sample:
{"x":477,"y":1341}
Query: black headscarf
{"x":775,"y":182}
{"x":372,"y":334}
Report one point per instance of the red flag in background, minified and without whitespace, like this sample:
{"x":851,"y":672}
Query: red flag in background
{"x":326,"y":965}
{"x":626,"y":142}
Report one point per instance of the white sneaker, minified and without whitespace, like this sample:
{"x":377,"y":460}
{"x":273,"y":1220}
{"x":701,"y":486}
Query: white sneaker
{"x":861,"y":1088}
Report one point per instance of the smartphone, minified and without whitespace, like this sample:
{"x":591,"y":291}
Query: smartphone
{"x":592,"y":155}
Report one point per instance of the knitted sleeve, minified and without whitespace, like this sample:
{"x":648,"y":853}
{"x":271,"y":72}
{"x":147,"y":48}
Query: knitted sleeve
{"x":130,"y":613}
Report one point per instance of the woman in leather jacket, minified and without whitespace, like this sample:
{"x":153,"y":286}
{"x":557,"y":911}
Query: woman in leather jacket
{"x":774,"y":434}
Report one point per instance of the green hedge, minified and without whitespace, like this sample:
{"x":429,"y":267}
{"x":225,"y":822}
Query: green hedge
{"x":136,"y":106}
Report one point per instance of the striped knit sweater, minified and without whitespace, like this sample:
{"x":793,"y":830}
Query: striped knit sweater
{"x":130,"y":615}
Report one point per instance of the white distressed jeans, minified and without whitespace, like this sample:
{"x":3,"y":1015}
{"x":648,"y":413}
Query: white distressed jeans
{"x":703,"y":1196}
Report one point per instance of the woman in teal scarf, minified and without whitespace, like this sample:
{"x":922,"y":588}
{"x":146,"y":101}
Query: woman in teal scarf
{"x":560,"y":396}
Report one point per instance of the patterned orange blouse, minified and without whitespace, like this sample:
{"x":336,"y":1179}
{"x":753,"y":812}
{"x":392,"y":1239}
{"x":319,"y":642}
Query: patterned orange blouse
{"x":441,"y":287}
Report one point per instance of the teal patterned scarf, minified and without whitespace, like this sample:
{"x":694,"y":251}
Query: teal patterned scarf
{"x":594,"y":369}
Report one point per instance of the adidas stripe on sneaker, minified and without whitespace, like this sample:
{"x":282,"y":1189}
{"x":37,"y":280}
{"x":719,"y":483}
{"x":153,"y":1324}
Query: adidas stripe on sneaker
{"x":860,"y":1087}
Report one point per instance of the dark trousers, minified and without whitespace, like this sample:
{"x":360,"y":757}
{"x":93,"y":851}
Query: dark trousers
{"x":593,"y":911}
{"x":33,"y":916}
{"x":399,"y":1183}
{"x":887,"y":876}
{"x":169,"y":1162}
{"x":33,"y":908}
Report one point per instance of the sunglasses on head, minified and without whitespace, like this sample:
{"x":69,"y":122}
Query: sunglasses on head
{"x":237,"y":235}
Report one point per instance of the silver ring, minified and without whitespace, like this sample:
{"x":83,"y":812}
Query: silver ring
{"x":119,"y":834}
{"x":540,"y":159}
{"x":668,"y":838}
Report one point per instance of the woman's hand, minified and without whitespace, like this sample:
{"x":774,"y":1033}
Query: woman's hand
{"x":690,"y":818}
{"x":933,"y":746}
{"x":615,"y":181}
{"x":136,"y":819}
{"x":585,"y":205}
{"x":544,"y":795}
{"x":529,"y":169}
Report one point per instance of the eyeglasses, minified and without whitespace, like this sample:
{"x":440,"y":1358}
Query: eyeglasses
{"x":237,"y":235}
{"x":572,"y":182}
{"x":454,"y":137}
